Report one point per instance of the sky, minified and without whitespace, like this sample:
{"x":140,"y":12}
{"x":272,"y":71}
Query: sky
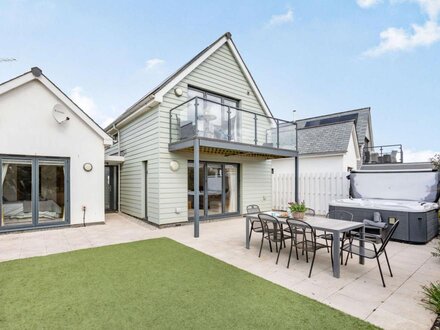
{"x":314,"y":57}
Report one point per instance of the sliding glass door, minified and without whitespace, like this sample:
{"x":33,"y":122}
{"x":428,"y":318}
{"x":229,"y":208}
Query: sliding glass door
{"x":34,"y":191}
{"x":218,"y":187}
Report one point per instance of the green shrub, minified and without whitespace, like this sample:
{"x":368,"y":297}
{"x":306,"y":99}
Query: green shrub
{"x":432,"y":297}
{"x":297,"y":207}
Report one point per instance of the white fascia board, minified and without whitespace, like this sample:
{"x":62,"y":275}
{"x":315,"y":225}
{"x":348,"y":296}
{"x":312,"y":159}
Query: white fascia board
{"x":16,"y":82}
{"x":249,"y":78}
{"x":190,"y":68}
{"x":355,"y":143}
{"x":155,"y":100}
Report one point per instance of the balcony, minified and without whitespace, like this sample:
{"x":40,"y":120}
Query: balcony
{"x":385,"y":154}
{"x":227,"y":130}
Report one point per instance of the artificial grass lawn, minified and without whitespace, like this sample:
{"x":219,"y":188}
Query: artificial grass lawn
{"x":151,"y":284}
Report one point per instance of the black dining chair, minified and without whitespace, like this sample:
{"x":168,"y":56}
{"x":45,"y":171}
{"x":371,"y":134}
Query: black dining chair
{"x":310,"y":212}
{"x":255,"y":223}
{"x":272,"y":232}
{"x":304,"y":238}
{"x":374,"y":253}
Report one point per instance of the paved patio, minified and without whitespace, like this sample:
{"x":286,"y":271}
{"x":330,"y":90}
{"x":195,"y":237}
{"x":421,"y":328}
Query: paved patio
{"x":358,"y":292}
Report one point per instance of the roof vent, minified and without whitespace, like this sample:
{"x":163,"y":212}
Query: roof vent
{"x":36,"y":71}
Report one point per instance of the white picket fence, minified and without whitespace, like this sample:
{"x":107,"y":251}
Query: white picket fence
{"x":317,"y":190}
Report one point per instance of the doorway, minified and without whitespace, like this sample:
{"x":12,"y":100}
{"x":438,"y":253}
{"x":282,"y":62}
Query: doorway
{"x":218,"y":187}
{"x":111,"y":188}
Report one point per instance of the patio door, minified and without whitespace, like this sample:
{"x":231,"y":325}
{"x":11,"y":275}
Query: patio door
{"x":34,"y":192}
{"x":111,"y":188}
{"x":219,"y":190}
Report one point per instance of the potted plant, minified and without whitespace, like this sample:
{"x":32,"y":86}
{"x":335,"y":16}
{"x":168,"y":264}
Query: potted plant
{"x":297,"y":210}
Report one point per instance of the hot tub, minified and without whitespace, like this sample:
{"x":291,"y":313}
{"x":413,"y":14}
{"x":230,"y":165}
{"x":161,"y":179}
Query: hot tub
{"x":416,"y":208}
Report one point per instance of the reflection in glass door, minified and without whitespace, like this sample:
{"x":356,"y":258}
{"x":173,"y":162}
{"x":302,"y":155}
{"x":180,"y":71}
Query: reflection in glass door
{"x":191,"y":189}
{"x":34,"y":192}
{"x":215,"y":189}
{"x":51,"y":191}
{"x":231,"y":188}
{"x":16,"y":192}
{"x":219,"y":187}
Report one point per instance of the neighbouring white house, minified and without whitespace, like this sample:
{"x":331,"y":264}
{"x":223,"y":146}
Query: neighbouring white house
{"x":51,"y":157}
{"x":331,"y":143}
{"x":198,"y":146}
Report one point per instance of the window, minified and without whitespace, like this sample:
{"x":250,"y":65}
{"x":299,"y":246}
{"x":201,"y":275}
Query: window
{"x":34,"y":191}
{"x":213,"y":121}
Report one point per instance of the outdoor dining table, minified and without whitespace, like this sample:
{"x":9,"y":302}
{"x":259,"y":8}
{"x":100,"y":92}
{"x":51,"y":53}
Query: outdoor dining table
{"x":333,"y":226}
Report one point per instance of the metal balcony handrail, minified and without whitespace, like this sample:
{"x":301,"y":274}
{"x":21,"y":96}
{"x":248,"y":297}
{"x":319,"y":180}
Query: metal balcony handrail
{"x":232,"y":107}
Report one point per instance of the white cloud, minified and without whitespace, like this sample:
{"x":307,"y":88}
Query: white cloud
{"x":84,"y":102}
{"x":367,"y":3}
{"x":410,"y":156}
{"x":430,"y":7}
{"x":153,"y":62}
{"x":397,"y":39}
{"x":88,"y":105}
{"x":281,"y":19}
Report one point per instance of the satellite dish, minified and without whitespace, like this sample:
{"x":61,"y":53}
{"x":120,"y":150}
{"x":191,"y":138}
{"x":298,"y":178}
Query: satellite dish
{"x":59,"y":113}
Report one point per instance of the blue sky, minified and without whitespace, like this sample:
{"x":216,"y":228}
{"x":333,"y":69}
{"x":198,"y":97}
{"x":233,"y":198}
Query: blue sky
{"x":316,"y":57}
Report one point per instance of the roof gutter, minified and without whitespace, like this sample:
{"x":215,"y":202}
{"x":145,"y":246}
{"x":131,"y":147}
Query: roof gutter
{"x":140,"y":108}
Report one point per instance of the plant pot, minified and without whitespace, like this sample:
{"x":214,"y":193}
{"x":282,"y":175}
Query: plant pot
{"x":298,"y":215}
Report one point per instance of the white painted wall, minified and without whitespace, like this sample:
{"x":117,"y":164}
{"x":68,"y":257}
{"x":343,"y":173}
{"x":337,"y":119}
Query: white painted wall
{"x":351,"y":157}
{"x":307,"y":164}
{"x":28,"y":128}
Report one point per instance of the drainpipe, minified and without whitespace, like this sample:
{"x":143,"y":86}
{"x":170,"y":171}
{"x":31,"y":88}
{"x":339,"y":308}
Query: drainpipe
{"x":296,"y":160}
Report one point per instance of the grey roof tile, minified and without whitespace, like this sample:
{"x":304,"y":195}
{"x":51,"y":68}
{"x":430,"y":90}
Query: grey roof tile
{"x":325,"y":139}
{"x":361,"y":123}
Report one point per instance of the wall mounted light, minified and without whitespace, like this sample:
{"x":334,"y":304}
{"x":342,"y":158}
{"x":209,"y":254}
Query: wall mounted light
{"x":174,"y":165}
{"x":178,"y":92}
{"x":88,"y":167}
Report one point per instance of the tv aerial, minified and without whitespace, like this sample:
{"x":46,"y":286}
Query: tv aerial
{"x":7,"y":59}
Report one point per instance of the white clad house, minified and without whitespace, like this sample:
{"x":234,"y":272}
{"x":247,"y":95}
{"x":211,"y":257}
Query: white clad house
{"x":210,"y":112}
{"x":51,"y":157}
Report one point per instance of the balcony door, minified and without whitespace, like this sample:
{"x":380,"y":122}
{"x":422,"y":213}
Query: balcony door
{"x":216,"y":114}
{"x":218,"y":187}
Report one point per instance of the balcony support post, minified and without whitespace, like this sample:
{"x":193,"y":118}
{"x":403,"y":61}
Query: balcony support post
{"x":196,"y":187}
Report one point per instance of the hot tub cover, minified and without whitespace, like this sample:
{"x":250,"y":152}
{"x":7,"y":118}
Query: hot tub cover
{"x":421,"y":186}
{"x":386,"y":204}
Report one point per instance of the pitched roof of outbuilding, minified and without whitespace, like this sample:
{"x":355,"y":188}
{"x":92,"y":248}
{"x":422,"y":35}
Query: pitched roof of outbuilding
{"x":362,"y":121}
{"x":325,"y":139}
{"x":37,"y":74}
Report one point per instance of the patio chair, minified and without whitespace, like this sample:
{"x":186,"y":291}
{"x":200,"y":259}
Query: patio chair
{"x":255,"y":224}
{"x":372,"y":253}
{"x":310,"y":212}
{"x":307,"y":243}
{"x":338,"y":215}
{"x":273,"y":232}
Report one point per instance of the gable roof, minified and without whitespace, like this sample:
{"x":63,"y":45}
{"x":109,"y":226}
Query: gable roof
{"x":37,"y":74}
{"x":362,"y":122}
{"x":155,"y":96}
{"x":325,"y":139}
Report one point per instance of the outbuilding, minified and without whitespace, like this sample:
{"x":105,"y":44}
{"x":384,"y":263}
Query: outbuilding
{"x":51,"y":157}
